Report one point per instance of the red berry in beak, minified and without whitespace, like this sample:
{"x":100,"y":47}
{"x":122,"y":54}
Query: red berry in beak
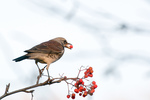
{"x":71,"y":46}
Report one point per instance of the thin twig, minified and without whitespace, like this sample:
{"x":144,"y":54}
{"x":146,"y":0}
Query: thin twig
{"x":80,"y":71}
{"x":40,"y":74}
{"x":7,"y":88}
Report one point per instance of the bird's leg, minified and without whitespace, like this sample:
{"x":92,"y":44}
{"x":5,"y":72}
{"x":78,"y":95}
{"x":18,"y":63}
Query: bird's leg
{"x":48,"y":71}
{"x":48,"y":74}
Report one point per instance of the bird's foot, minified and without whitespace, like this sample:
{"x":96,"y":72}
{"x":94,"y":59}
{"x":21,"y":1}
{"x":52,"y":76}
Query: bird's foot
{"x":49,"y":81}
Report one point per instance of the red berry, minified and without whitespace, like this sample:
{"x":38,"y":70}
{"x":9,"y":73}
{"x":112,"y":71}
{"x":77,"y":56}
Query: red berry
{"x":92,"y":87}
{"x":76,"y":90}
{"x":68,"y":96}
{"x":85,"y":94}
{"x":73,"y":96}
{"x":84,"y":89}
{"x":90,"y":75}
{"x":75,"y":84}
{"x":91,"y":71}
{"x":80,"y":80}
{"x":85,"y":72}
{"x":85,"y":76}
{"x":80,"y":88}
{"x":93,"y":82}
{"x":80,"y":94}
{"x":82,"y":83}
{"x":90,"y":68}
{"x":95,"y":86}
{"x":92,"y":91}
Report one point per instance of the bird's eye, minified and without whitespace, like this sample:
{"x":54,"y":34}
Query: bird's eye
{"x":65,"y":41}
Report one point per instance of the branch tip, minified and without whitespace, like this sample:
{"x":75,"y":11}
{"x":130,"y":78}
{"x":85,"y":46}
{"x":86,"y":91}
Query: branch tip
{"x":7,"y":88}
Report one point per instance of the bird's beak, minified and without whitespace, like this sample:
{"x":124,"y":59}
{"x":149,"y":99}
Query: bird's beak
{"x":69,"y":45}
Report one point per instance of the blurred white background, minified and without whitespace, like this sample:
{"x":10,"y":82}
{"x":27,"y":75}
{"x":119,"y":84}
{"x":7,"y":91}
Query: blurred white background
{"x":112,"y":36}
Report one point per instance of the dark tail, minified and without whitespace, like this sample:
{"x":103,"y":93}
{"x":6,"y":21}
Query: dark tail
{"x":21,"y":58}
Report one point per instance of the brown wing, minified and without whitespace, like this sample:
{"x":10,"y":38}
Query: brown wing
{"x":48,"y":47}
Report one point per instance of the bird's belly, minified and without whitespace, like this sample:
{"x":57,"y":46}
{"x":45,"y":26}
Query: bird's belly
{"x":44,"y":58}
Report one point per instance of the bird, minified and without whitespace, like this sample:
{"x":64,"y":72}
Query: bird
{"x":46,"y":52}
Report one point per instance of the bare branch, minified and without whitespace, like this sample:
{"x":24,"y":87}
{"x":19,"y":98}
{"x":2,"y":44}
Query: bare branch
{"x":26,"y":89}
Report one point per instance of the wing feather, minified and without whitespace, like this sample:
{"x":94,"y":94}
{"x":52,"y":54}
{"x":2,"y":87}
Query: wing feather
{"x":49,"y":47}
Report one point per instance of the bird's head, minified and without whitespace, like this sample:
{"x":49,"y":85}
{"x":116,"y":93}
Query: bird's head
{"x":64,"y":42}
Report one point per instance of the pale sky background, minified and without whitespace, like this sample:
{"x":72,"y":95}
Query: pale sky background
{"x":112,"y":36}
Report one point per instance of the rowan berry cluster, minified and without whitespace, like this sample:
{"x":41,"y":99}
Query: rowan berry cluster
{"x":88,"y":72}
{"x":79,"y":86}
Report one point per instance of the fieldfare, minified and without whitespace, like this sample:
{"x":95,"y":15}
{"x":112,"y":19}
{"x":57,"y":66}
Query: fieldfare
{"x":46,"y":52}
